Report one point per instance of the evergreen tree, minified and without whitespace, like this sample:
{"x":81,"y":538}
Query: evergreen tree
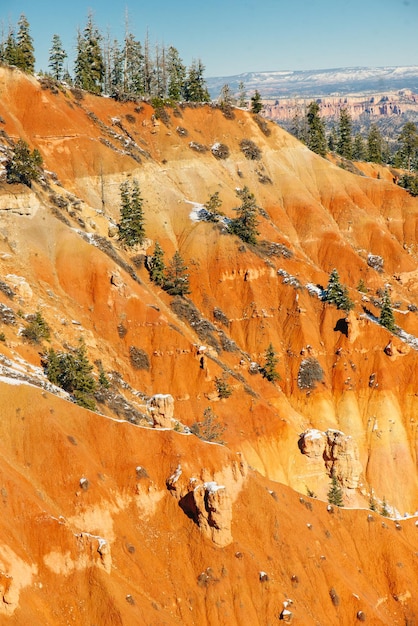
{"x":72,"y":372}
{"x":195,"y":89}
{"x":133,"y":66}
{"x":335,"y":493}
{"x":385,"y":511}
{"x":176,"y":281}
{"x":298,"y":127}
{"x":387,"y":319}
{"x":372,"y":502}
{"x":409,"y":145}
{"x":269,"y":370}
{"x":52,"y":366}
{"x":24,"y":46}
{"x":10,"y":49}
{"x":131,"y":226}
{"x":332,"y":140}
{"x":374,"y":145}
{"x":337,"y":294}
{"x":359,"y":149}
{"x":212,"y":207}
{"x":103,"y":379}
{"x":85,"y":385}
{"x":256,"y":103}
{"x":242,"y":95}
{"x":89,"y":64}
{"x":345,"y":141}
{"x":57,"y":55}
{"x":316,"y":140}
{"x":245,"y":225}
{"x":157,"y":266}
{"x":176,"y":75}
{"x":24,"y":166}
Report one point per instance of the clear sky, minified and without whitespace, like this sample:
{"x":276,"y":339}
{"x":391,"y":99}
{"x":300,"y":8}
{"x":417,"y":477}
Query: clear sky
{"x":233,"y":37}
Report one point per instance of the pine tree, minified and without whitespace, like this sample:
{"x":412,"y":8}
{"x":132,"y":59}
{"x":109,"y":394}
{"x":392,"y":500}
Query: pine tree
{"x":57,"y":55}
{"x":332,"y":140}
{"x":24,"y":166}
{"x":409,"y":145}
{"x":256,"y":103}
{"x":242,"y":95}
{"x":269,"y":370}
{"x":24,"y":46}
{"x":245,"y":225}
{"x":89,"y":64}
{"x":176,"y":281}
{"x":133,"y":66}
{"x":359,"y":149}
{"x":335,"y":493}
{"x":212,"y":207}
{"x":85,"y":384}
{"x":316,"y":140}
{"x":345,"y":141}
{"x":337,"y":294}
{"x":384,"y":510}
{"x":387,"y":319}
{"x":374,"y":145}
{"x":195,"y":87}
{"x":131,"y":226}
{"x":176,"y":75}
{"x":52,"y":366}
{"x":10,"y":49}
{"x":157,"y":266}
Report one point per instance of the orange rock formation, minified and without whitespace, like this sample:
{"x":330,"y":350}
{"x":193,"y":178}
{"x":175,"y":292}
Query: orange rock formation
{"x":111,"y":522}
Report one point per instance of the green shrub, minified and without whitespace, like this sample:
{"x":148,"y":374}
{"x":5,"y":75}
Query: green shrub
{"x":37,"y":328}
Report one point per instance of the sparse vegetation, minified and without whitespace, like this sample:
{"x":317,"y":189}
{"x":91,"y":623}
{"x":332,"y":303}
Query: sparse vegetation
{"x":375,"y":261}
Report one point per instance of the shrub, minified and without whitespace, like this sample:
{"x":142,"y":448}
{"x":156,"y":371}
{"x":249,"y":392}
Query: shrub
{"x":220,"y":316}
{"x":197,"y":147}
{"x":8,"y":291}
{"x":24,"y":166}
{"x":375,"y":261}
{"x":139,"y":358}
{"x":183,"y":132}
{"x":130,"y":118}
{"x":263,"y":125}
{"x":310,"y":372}
{"x":250,"y":149}
{"x":220,"y":151}
{"x":224,"y":390}
{"x":209,"y":429}
{"x":37,"y":328}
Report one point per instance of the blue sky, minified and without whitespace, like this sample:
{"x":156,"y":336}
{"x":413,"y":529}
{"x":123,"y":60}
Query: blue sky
{"x":232,"y":37}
